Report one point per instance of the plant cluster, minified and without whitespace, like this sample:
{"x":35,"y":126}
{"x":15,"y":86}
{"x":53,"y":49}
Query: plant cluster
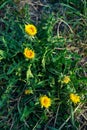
{"x":41,"y":79}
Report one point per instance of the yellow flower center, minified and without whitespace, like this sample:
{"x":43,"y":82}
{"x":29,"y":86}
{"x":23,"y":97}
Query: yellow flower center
{"x":66,"y":79}
{"x":45,"y":101}
{"x":30,"y":29}
{"x":29,"y":53}
{"x":74,"y":98}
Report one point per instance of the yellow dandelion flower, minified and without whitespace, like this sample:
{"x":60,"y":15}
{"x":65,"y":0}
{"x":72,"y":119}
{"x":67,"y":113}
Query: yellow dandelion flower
{"x":29,"y":53}
{"x":30,"y":29}
{"x":27,"y":92}
{"x":74,"y":98}
{"x":66,"y":79}
{"x":45,"y":101}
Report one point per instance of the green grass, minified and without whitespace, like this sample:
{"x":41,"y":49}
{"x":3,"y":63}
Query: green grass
{"x":57,"y":34}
